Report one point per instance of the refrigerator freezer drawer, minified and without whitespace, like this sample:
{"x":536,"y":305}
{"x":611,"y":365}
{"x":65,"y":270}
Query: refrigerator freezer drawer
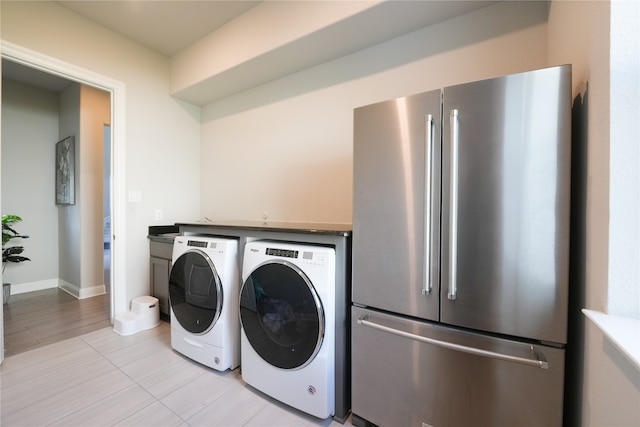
{"x":412,"y":373}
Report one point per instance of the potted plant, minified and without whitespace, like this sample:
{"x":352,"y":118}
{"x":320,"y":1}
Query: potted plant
{"x":10,"y":253}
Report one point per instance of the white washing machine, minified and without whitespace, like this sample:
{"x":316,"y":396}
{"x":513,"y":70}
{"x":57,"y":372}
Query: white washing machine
{"x":287,"y":316}
{"x":203,"y":297}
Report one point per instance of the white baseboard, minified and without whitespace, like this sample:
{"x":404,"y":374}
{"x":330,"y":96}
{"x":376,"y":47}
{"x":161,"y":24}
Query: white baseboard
{"x":22,"y":288}
{"x":92,"y":291}
{"x":73,"y":290}
{"x":69,"y":288}
{"x":81,"y":293}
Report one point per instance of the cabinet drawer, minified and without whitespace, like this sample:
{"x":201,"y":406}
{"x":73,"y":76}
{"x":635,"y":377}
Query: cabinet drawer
{"x":161,"y":250}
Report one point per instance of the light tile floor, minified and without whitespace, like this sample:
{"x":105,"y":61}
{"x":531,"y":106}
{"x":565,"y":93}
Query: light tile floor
{"x":104,"y":379}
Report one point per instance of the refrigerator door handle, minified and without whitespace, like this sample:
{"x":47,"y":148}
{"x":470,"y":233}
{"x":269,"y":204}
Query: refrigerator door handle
{"x":453,"y":208}
{"x":539,"y":362}
{"x":428,"y":125}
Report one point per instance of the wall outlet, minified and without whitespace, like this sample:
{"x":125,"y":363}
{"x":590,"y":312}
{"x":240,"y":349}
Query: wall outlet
{"x":135,"y":196}
{"x":159,"y":214}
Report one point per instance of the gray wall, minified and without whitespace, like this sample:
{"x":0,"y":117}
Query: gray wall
{"x":29,"y":134}
{"x":69,"y":215}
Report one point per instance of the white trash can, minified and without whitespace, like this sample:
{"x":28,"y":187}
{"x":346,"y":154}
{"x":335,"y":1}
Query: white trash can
{"x":144,"y":314}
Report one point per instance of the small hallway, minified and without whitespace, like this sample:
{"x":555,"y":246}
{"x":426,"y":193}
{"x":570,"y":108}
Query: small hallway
{"x":36,"y":319}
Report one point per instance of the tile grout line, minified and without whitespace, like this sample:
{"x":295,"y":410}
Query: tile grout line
{"x":28,"y":367}
{"x":82,"y":338}
{"x":156,"y":399}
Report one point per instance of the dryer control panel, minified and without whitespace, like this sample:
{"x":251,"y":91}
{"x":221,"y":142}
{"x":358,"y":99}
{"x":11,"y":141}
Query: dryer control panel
{"x":287,"y":253}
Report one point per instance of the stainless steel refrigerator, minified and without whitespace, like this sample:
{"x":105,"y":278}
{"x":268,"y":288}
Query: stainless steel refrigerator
{"x":461,"y":254}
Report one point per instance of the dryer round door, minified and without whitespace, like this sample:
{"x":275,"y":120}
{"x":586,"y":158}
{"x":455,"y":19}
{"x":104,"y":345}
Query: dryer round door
{"x":195,"y":292}
{"x":281,"y":315}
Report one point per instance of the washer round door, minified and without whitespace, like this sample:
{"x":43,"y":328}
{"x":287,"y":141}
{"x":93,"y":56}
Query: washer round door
{"x":195,"y":292}
{"x":281,"y":315}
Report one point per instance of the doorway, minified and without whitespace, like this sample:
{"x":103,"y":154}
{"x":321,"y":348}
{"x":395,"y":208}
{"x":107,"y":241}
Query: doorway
{"x":54,"y":68}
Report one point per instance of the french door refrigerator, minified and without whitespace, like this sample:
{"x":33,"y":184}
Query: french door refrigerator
{"x":460,"y":254}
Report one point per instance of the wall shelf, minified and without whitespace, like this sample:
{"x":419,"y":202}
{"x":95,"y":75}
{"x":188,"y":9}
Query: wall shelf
{"x":623,"y":332}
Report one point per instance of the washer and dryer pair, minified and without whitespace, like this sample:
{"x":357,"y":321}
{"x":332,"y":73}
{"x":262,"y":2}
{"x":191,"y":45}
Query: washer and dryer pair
{"x":280,"y":323}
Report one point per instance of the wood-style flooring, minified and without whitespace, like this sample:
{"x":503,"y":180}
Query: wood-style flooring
{"x":104,"y":379}
{"x":36,"y":319}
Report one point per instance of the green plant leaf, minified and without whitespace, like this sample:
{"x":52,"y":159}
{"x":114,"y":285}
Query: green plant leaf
{"x":11,"y":254}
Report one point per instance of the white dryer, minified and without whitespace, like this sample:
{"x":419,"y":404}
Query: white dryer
{"x":203,"y":297}
{"x":287,"y":316}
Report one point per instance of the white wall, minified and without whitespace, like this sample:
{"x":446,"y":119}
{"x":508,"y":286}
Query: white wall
{"x":580,"y":33}
{"x":287,"y":145}
{"x":29,"y":134}
{"x":624,"y":197}
{"x":162,"y":135}
{"x":586,"y":47}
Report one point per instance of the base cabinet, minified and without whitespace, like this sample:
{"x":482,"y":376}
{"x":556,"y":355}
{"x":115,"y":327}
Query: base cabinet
{"x":160,"y":269}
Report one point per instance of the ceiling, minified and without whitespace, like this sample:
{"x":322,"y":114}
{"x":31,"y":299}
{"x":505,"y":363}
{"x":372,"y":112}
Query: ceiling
{"x":44,"y":80}
{"x":170,"y":26}
{"x":166,"y":26}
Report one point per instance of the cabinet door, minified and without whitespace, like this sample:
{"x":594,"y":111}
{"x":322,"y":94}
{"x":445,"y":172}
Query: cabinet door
{"x":160,"y":270}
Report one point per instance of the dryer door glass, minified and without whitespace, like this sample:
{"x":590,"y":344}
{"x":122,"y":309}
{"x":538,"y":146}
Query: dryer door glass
{"x":282,"y":315}
{"x":195,"y":292}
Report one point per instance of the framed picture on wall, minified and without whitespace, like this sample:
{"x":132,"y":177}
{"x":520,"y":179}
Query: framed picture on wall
{"x":65,"y":171}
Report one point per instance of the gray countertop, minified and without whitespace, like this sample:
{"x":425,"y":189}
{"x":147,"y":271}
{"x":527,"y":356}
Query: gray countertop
{"x":297,"y":227}
{"x":163,"y":233}
{"x":164,"y":238}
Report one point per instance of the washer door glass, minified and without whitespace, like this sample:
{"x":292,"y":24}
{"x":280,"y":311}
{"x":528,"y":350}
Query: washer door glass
{"x":281,"y":315}
{"x":195,"y":292}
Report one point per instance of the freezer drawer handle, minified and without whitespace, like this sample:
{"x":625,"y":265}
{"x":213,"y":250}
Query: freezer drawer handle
{"x":453,"y":211}
{"x":540,"y":362}
{"x":428,"y":124}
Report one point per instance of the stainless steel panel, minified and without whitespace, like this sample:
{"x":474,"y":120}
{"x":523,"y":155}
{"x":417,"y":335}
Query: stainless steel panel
{"x":398,"y":381}
{"x":507,"y":207}
{"x":390,"y":183}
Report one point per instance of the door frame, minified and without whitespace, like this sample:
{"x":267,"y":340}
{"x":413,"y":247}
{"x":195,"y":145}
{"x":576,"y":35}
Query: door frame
{"x":117,"y":89}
